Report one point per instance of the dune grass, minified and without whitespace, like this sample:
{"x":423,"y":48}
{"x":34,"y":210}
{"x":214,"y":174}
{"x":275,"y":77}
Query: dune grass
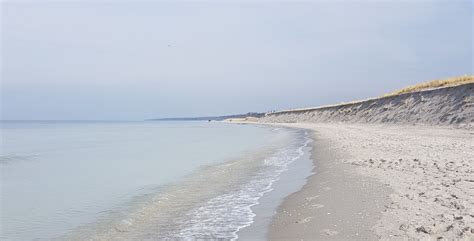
{"x":454,"y":81}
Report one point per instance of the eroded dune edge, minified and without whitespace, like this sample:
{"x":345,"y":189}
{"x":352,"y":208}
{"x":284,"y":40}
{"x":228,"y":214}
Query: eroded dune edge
{"x":449,"y":106}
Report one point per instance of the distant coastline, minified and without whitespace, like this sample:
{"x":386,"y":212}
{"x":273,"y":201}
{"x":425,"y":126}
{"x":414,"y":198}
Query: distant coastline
{"x":212,"y":118}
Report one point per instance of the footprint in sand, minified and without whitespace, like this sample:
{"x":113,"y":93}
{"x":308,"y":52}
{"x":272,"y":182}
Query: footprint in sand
{"x":329,"y":232}
{"x":317,"y":205}
{"x":305,"y":220}
{"x":312,"y":198}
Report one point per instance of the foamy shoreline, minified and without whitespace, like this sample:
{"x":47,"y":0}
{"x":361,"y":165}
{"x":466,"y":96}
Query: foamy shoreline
{"x":382,"y":181}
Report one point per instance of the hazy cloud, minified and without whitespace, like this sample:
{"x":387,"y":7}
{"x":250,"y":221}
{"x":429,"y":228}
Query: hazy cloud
{"x":135,"y":60}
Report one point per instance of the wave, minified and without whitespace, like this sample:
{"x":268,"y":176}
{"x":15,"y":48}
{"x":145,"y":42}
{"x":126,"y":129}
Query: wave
{"x":215,"y":202}
{"x":10,"y":158}
{"x":223,"y":216}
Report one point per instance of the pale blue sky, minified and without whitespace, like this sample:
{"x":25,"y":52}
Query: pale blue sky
{"x":137,"y":60}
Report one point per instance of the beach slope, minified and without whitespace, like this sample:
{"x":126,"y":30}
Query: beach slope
{"x":395,"y":167}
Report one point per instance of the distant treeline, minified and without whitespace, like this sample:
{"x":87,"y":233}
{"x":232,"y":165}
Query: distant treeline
{"x":213,"y":118}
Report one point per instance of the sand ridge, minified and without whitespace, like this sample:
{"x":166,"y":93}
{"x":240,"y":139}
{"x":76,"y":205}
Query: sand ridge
{"x":448,"y":106}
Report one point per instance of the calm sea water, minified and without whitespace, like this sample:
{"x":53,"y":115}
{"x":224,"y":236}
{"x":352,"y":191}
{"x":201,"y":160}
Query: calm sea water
{"x":138,"y":180}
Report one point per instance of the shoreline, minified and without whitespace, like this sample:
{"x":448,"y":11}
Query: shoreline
{"x":212,"y":207}
{"x":289,"y":181}
{"x":382,"y":182}
{"x":335,"y":203}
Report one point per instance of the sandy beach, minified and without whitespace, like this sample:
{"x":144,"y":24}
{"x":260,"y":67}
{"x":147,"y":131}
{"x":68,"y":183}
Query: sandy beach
{"x":383,"y":182}
{"x":237,"y":120}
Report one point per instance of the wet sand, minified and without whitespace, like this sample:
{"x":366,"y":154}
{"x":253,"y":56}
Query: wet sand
{"x":383,"y":182}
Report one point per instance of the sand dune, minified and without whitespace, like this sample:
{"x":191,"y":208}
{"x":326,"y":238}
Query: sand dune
{"x":438,"y":107}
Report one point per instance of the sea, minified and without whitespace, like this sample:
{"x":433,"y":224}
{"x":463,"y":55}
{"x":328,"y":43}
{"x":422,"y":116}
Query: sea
{"x":96,"y":180}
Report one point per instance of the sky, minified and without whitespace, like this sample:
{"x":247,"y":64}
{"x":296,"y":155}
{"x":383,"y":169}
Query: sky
{"x":131,"y":60}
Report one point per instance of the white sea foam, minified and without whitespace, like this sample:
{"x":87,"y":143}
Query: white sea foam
{"x":223,"y":216}
{"x":83,"y":179}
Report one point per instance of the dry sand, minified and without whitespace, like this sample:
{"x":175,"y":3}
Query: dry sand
{"x":383,"y":182}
